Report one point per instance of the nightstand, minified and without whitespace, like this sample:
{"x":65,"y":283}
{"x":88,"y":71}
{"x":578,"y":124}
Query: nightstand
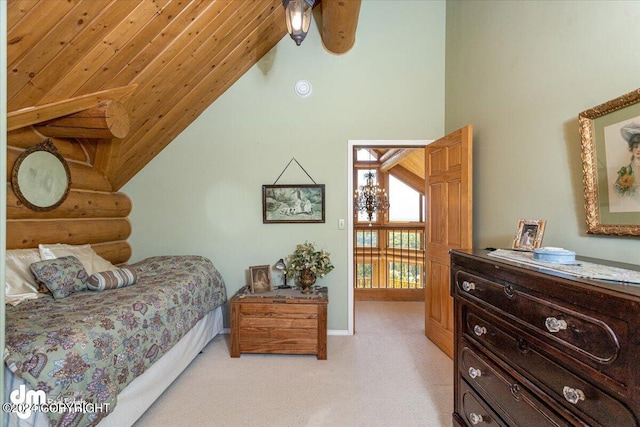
{"x":283,"y":321}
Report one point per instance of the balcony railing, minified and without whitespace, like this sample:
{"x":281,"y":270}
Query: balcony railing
{"x":389,"y":257}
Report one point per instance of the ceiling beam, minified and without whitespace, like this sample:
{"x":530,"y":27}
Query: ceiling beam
{"x":395,"y":158}
{"x":339,"y":23}
{"x":42,"y":113}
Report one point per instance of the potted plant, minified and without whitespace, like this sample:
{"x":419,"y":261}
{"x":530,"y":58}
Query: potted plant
{"x":307,"y":263}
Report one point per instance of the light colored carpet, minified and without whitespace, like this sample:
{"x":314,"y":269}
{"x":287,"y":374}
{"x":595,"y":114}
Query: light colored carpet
{"x":387,"y":374}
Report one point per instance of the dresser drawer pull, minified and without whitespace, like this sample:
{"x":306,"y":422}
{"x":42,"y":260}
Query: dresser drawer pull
{"x":573,"y":395}
{"x":479,"y":330}
{"x":473,"y":372}
{"x":468,"y":286}
{"x":515,"y":391}
{"x":475,"y":418}
{"x":509,"y":292}
{"x":523,"y":346}
{"x":554,"y":325}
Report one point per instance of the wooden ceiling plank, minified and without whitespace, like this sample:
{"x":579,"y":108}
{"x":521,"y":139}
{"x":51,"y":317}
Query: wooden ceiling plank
{"x":147,"y":43}
{"x":150,"y":108}
{"x":32,"y":27}
{"x":32,"y":115}
{"x":113,"y":42}
{"x":21,"y":75}
{"x":183,"y":55}
{"x":17,"y":10}
{"x":73,"y":53}
{"x":199,"y":26}
{"x":150,"y":60}
{"x":199,"y":98}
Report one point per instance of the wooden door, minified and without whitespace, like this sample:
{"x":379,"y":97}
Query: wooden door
{"x":448,"y":172}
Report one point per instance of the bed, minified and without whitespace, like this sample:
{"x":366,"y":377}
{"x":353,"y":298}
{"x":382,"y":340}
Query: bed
{"x":115,"y":350}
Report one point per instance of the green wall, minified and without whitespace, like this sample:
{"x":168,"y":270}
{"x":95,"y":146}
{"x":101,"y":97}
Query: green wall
{"x":202,"y":194}
{"x":521,"y":72}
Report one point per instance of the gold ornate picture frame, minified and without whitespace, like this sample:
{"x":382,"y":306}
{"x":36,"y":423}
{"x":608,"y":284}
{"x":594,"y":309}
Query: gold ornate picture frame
{"x":40,"y":177}
{"x":610,"y":143}
{"x":529,"y":234}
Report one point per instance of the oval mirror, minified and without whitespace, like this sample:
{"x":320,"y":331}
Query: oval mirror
{"x":40,"y":177}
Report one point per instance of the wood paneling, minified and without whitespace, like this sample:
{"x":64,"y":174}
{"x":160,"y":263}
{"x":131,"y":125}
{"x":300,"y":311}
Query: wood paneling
{"x":157,"y":63}
{"x":182,"y":55}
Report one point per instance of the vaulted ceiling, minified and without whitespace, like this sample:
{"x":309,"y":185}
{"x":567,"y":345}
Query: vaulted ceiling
{"x":164,"y":61}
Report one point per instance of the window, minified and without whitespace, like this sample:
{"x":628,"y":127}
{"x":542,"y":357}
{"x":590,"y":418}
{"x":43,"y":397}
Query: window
{"x":366,"y":155}
{"x":405,"y":202}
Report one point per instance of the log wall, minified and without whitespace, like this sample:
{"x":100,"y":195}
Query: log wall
{"x":92,"y":213}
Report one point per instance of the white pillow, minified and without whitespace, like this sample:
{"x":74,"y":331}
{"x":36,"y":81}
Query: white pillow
{"x":20,"y":284}
{"x":91,"y":261}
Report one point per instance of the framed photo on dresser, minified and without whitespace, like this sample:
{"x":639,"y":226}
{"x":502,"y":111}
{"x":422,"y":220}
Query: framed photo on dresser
{"x":529,"y":234}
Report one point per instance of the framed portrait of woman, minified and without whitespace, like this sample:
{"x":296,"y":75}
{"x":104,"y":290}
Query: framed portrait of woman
{"x":610,"y":140}
{"x":529,"y":234}
{"x":260,"y":279}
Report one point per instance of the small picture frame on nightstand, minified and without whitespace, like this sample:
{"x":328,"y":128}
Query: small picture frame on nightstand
{"x":260,"y":279}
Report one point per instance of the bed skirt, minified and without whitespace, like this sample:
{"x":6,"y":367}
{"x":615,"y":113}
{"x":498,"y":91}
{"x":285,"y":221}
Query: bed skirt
{"x":140,"y":394}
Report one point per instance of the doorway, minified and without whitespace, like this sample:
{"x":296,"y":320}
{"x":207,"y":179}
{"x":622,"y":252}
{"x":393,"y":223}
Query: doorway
{"x":406,"y":273}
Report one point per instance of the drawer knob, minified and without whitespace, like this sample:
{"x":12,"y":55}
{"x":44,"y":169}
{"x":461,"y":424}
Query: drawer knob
{"x":573,"y":395}
{"x":554,"y":325}
{"x":473,"y":372}
{"x":479,"y":330}
{"x":475,"y":418}
{"x":509,"y":292}
{"x":468,"y":286}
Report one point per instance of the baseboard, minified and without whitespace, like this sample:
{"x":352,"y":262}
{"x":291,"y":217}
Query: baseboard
{"x":329,"y":332}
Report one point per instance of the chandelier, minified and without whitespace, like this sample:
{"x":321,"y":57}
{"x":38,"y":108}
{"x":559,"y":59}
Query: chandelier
{"x":370,"y":198}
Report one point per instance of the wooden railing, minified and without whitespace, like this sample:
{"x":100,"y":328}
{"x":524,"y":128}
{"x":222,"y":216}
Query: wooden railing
{"x":389,"y":257}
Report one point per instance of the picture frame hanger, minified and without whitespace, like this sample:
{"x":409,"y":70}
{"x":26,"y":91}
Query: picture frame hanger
{"x":293,"y":159}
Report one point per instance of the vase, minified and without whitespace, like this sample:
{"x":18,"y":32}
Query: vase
{"x":306,"y":280}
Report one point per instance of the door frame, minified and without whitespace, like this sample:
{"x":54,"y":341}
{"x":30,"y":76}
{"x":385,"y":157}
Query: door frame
{"x":351,"y":144}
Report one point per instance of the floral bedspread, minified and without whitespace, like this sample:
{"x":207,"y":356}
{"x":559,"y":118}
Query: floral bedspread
{"x":90,"y":345}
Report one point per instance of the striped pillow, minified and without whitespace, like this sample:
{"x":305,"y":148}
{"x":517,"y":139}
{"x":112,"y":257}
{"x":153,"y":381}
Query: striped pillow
{"x":112,"y":279}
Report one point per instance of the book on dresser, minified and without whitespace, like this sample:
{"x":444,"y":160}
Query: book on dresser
{"x":537,"y":347}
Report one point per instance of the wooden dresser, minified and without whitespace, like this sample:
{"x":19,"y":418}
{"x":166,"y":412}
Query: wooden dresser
{"x":284,"y":321}
{"x":534,"y":348}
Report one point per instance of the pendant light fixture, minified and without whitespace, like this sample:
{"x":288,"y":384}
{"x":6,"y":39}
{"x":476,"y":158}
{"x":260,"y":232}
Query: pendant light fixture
{"x":298,"y":16}
{"x":370,"y":198}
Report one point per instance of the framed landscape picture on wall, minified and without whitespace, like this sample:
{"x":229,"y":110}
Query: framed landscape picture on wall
{"x":610,"y":139}
{"x":293,"y":203}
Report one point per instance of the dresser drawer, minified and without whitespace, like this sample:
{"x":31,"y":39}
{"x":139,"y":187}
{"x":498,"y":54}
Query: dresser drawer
{"x":474,"y":411}
{"x":592,"y":337}
{"x":588,"y":402}
{"x":517,"y":406}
